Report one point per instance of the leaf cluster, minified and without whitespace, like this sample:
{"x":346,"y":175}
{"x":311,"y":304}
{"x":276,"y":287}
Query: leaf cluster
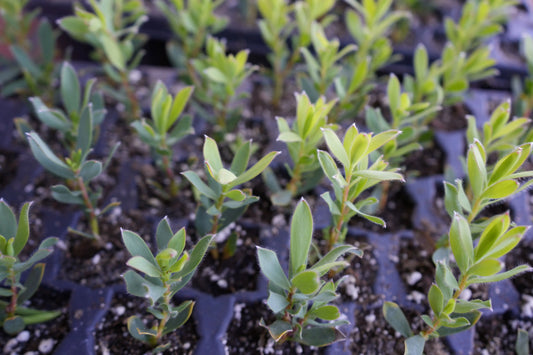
{"x":302,"y":140}
{"x":359,"y":174}
{"x":14,"y":236}
{"x":221,"y":203}
{"x":191,"y":21}
{"x":164,"y":275}
{"x":301,"y":300}
{"x":219,"y":77}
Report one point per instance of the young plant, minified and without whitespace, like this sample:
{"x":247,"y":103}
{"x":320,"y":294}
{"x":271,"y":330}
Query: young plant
{"x":192,"y":22}
{"x":76,"y":169}
{"x":165,"y":274}
{"x":302,"y":142}
{"x":163,"y":131}
{"x":277,"y":28}
{"x":221,"y":203}
{"x":220,"y":75}
{"x":477,"y":264}
{"x":76,"y":103}
{"x":523,"y":90}
{"x":465,"y":59}
{"x":13,"y":238}
{"x":112,"y":28}
{"x":359,"y":175}
{"x":369,"y":24}
{"x":322,"y":69}
{"x":32,"y":71}
{"x":301,"y":300}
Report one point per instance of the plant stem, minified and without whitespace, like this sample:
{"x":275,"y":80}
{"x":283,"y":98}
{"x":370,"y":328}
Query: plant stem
{"x":93,"y":221}
{"x":135,"y":109}
{"x":11,"y":308}
{"x":335,"y":231}
{"x":166,"y":317}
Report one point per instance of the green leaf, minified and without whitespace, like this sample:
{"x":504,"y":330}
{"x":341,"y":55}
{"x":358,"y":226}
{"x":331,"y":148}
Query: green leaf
{"x":522,"y":342}
{"x":271,"y":268}
{"x":139,"y":331}
{"x":8,"y":227}
{"x":215,"y":75}
{"x":436,"y":299}
{"x":324,"y":264}
{"x":278,"y":329}
{"x":90,"y":169}
{"x":163,"y":234}
{"x":327,"y":312}
{"x":62,"y":194}
{"x":136,"y":285}
{"x":177,"y":242}
{"x":13,"y":325}
{"x":141,"y":264}
{"x":241,"y":158}
{"x":378,"y":175}
{"x":185,"y":311}
{"x":179,"y":103}
{"x":212,"y":155}
{"x":463,"y":306}
{"x":276,"y":302}
{"x":395,"y":317}
{"x":195,"y":180}
{"x":307,"y":282}
{"x":31,"y":284}
{"x":23,"y":228}
{"x":289,"y":137}
{"x":47,"y":158}
{"x":255,"y":170}
{"x":320,"y":336}
{"x":461,"y":242}
{"x":224,"y":176}
{"x":137,"y":246}
{"x":195,"y":257}
{"x":501,"y":189}
{"x":301,"y":236}
{"x":70,"y":88}
{"x":336,"y":147}
{"x":84,"y":137}
{"x":414,"y":345}
{"x":113,"y":52}
{"x":501,"y":276}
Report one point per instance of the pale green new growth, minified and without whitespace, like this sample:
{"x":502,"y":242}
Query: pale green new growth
{"x":301,"y":300}
{"x":217,"y":79}
{"x":162,"y":132}
{"x":302,"y":142}
{"x":13,"y":238}
{"x":165,"y":274}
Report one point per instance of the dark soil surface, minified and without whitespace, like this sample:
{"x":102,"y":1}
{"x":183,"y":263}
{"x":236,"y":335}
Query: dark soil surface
{"x":246,"y":336}
{"x":496,"y":334}
{"x":112,"y":336}
{"x":40,"y":338}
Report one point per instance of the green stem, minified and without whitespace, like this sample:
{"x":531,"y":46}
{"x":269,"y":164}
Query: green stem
{"x":93,"y":221}
{"x":335,"y":231}
{"x":135,"y":109}
{"x":166,"y":317}
{"x":11,"y":308}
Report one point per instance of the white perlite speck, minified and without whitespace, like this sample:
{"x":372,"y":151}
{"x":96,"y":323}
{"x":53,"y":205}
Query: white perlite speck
{"x":371,"y":318}
{"x":527,"y":307}
{"x":120,"y":310}
{"x":414,"y":278}
{"x":222,"y":283}
{"x":237,"y":309}
{"x":10,"y":345}
{"x":23,"y":336}
{"x":96,"y":259}
{"x":46,"y":346}
{"x":416,"y":296}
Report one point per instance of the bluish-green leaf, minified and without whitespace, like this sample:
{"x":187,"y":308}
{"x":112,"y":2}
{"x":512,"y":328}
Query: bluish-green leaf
{"x":137,"y":246}
{"x":271,"y":268}
{"x":395,"y":317}
{"x":301,"y":236}
{"x":461,"y":242}
{"x":90,"y":169}
{"x":255,"y":170}
{"x":8,"y":225}
{"x":276,"y":302}
{"x":141,"y":264}
{"x":70,"y":88}
{"x":414,"y":345}
{"x":47,"y":158}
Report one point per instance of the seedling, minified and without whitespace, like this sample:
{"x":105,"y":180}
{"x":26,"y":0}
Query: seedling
{"x":301,"y":300}
{"x":164,"y":275}
{"x":221,"y":203}
{"x":302,"y":142}
{"x":360,"y":174}
{"x":112,"y":28}
{"x":163,"y":132}
{"x":219,"y":76}
{"x":13,"y":238}
{"x":369,"y":24}
{"x":523,"y":91}
{"x":477,"y":264}
{"x":192,"y":22}
{"x":76,"y":169}
{"x":277,"y":28}
{"x":76,"y":103}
